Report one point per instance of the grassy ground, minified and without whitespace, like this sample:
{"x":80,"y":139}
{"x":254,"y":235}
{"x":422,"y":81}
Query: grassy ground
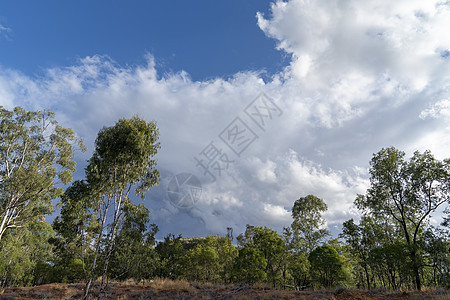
{"x":180,"y":289}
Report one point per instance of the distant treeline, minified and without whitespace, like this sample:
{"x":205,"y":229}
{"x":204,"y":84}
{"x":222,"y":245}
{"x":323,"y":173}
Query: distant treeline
{"x":100,"y":233}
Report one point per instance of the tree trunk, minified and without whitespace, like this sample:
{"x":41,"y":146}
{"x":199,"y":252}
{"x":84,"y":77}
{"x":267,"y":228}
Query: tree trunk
{"x":87,"y":288}
{"x":111,"y":244}
{"x":97,"y":250}
{"x":367,"y":277}
{"x":105,"y":267}
{"x":416,"y":272}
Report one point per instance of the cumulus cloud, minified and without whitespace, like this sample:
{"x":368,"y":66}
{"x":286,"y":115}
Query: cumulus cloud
{"x":356,"y":53}
{"x":364,"y":75}
{"x":330,"y":41}
{"x":243,"y":196}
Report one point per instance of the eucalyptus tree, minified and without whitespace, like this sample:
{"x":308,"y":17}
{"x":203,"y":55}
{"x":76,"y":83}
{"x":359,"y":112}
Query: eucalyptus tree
{"x":26,"y":255}
{"x":305,"y":233}
{"x":406,"y":192}
{"x":307,"y":229}
{"x":123,"y":161}
{"x":36,"y":157}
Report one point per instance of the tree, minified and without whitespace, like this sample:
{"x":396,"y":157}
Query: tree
{"x":227,"y":253}
{"x":406,"y":192}
{"x":298,"y":266}
{"x":250,"y":265}
{"x":379,"y":252}
{"x":216,"y":259}
{"x":359,"y":242}
{"x":272,"y":245}
{"x":36,"y":155}
{"x":327,"y":266}
{"x":134,"y":255}
{"x":306,"y":228}
{"x":171,"y":253}
{"x":75,"y":227}
{"x":123,"y":159}
{"x":437,"y":247}
{"x":202,"y":263}
{"x":305,"y":233}
{"x":25,"y":253}
{"x":247,"y":236}
{"x":208,"y":258}
{"x":393,"y":260}
{"x":268,"y":242}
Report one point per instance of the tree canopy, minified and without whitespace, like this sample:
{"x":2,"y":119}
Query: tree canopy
{"x":36,"y":155}
{"x":406,"y":192}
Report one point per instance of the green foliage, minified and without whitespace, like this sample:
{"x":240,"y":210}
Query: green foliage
{"x":307,"y":227}
{"x":437,"y":256}
{"x":123,"y":158}
{"x":406,"y":192}
{"x":217,"y":262}
{"x":203,"y":263}
{"x":305,"y":233}
{"x":75,"y":231}
{"x":298,"y":267}
{"x":25,"y":253}
{"x":382,"y":257}
{"x":134,"y":255}
{"x":391,"y":264}
{"x":327,"y":267}
{"x":36,"y":154}
{"x":227,"y":253}
{"x":272,"y":246}
{"x":204,"y":259}
{"x":71,"y":271}
{"x":170,"y":253}
{"x":250,"y":265}
{"x":97,"y":211}
{"x":360,"y":239}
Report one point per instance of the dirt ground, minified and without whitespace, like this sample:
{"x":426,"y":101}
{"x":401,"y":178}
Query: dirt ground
{"x":166,"y":289}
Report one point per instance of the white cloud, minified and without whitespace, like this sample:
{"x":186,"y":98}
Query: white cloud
{"x":244,"y":197}
{"x":357,"y":52}
{"x":276,"y":212}
{"x":364,"y":75}
{"x":440,"y":109}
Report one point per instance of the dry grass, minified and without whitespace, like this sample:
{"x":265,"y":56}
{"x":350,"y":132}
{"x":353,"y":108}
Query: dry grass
{"x":164,"y":284}
{"x":161,"y":288}
{"x":261,"y":286}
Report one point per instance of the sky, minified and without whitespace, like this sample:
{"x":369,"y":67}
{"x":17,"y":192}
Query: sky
{"x":258,"y":103}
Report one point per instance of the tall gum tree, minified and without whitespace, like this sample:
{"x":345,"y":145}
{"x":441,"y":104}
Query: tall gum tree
{"x":36,"y":158}
{"x":123,"y":160}
{"x":307,"y":229}
{"x":408,"y":192}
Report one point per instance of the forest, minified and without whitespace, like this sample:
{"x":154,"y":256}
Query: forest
{"x":101,"y":235}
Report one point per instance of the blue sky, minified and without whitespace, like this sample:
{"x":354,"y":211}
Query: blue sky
{"x":182,"y":35}
{"x":337,"y":81}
